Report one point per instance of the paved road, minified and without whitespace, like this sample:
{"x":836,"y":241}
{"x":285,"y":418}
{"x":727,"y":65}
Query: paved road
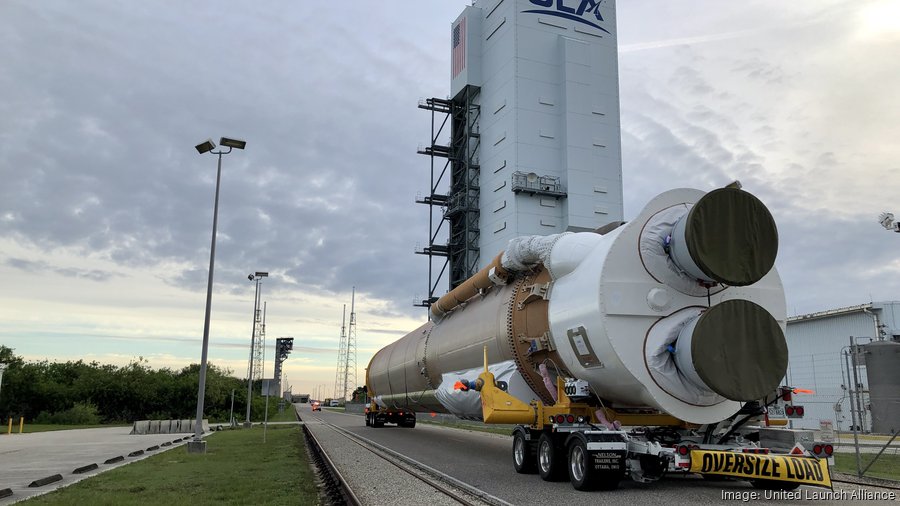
{"x":28,"y":457}
{"x":483,"y":460}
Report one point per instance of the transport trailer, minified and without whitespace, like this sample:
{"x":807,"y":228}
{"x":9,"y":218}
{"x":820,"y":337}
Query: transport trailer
{"x":377,"y":417}
{"x":571,"y":440}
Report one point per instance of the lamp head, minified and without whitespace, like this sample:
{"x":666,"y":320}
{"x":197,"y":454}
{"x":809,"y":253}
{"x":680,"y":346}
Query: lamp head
{"x":207,"y":145}
{"x":232,"y":143}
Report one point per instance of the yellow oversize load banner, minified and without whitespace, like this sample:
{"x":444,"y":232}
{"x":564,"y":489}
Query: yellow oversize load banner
{"x":805,"y":470}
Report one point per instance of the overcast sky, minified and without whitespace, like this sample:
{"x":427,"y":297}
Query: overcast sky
{"x":106,"y":208}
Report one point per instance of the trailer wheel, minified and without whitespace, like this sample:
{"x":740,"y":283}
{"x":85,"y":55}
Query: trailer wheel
{"x":581,"y":473}
{"x":368,"y":420}
{"x":551,"y":461}
{"x":524,"y":456}
{"x":774,"y":485}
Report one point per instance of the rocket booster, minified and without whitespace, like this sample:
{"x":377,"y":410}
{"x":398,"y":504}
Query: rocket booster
{"x":679,"y":311}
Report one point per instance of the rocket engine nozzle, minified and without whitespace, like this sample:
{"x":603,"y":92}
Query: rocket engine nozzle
{"x":727,"y":237}
{"x":735,"y":348}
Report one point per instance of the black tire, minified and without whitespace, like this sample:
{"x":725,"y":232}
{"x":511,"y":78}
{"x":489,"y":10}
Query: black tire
{"x":774,"y":485}
{"x":551,"y":460}
{"x":411,"y":424}
{"x":368,"y":421}
{"x":581,"y":472}
{"x":524,"y":454}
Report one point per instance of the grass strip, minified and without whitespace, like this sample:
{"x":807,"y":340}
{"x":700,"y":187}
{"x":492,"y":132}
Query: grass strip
{"x":237,"y":469}
{"x":886,"y":467}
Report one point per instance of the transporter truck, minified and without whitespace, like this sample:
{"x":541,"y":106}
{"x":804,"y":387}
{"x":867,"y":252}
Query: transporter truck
{"x":642,"y":348}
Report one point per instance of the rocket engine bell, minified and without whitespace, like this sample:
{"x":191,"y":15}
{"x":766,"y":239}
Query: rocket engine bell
{"x":679,"y":311}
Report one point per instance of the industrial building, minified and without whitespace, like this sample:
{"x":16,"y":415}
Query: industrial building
{"x":528,"y":143}
{"x":821,"y":359}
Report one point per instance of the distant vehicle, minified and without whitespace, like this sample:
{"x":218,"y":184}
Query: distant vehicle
{"x":316,"y":406}
{"x":334,"y":403}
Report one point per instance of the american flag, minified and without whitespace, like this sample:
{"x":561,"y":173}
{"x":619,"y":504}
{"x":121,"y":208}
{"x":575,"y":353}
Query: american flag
{"x":459,"y":49}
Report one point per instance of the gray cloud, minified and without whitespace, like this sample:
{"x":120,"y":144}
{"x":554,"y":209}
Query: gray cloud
{"x":41,"y":267}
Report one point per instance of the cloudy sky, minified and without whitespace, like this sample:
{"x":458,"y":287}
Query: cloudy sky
{"x":106,"y":208}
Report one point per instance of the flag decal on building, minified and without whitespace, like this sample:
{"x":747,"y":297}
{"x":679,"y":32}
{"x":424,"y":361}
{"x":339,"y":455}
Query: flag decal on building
{"x":458,"y":54}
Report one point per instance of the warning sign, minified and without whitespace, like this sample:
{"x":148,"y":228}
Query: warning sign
{"x":805,"y":470}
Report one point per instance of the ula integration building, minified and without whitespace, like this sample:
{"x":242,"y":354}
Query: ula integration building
{"x":528,"y":142}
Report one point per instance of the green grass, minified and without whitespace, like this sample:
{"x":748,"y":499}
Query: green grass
{"x":37,"y":427}
{"x":886,"y":467}
{"x":289,"y":415}
{"x":237,"y":469}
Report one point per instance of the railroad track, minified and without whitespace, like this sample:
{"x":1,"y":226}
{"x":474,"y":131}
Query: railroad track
{"x":340,"y":492}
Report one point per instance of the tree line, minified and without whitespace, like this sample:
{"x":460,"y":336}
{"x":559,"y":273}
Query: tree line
{"x":81,"y":392}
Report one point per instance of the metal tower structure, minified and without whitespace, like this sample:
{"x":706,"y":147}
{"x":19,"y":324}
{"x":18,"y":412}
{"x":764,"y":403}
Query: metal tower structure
{"x":283,"y":348}
{"x":459,"y":202}
{"x":350,"y":357}
{"x":341,"y":369}
{"x":259,"y":351}
{"x":256,"y":327}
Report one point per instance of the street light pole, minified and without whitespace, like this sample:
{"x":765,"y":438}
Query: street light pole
{"x":2,"y":368}
{"x":198,"y":445}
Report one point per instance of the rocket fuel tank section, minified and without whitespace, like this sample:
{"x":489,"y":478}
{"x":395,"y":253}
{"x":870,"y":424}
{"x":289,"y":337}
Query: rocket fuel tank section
{"x":679,"y":311}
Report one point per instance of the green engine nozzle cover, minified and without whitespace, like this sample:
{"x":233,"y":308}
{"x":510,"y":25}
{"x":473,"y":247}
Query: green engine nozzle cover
{"x":732,"y":237}
{"x":739,"y":350}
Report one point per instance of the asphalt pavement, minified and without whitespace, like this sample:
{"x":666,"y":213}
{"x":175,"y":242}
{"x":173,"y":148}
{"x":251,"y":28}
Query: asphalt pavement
{"x":484,"y":460}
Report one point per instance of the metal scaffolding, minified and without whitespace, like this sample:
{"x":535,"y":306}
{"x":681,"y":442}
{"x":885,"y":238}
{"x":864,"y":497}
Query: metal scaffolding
{"x":459,"y":205}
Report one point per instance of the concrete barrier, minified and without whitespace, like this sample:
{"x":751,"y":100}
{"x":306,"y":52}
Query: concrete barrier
{"x":84,"y":469}
{"x":141,"y":427}
{"x":167,"y":426}
{"x":45,"y":481}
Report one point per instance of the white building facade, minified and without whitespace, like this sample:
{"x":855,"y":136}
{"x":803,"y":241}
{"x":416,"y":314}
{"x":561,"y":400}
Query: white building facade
{"x":535,"y":142}
{"x":817,"y":361}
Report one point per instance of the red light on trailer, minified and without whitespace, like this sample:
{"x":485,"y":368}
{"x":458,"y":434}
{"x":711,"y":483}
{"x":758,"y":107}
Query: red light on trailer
{"x":828,"y":450}
{"x":789,"y":410}
{"x":683,"y":450}
{"x":560,"y":418}
{"x":817,"y":449}
{"x":798,"y":410}
{"x":570,"y":418}
{"x":765,"y":451}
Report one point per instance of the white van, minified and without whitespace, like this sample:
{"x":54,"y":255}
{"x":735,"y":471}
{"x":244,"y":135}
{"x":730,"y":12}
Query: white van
{"x":334,"y":403}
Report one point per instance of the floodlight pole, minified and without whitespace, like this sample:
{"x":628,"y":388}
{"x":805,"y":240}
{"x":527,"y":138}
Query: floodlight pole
{"x":247,"y":422}
{"x":198,"y":445}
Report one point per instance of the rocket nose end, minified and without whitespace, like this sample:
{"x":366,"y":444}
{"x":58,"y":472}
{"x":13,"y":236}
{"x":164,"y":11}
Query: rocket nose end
{"x":738,"y":350}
